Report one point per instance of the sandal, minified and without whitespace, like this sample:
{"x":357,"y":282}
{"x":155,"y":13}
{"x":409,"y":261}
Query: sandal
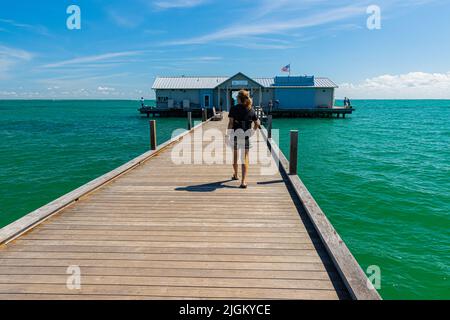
{"x":243,"y":186}
{"x":234,"y":178}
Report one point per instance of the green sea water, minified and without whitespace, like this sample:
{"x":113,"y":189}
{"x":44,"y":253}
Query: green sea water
{"x":382,"y":176}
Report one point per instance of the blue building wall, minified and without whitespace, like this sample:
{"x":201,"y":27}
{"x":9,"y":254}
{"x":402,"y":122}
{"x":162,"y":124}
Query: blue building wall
{"x":296,"y":98}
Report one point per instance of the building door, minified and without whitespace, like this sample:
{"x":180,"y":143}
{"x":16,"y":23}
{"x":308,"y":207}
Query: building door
{"x":207,"y":101}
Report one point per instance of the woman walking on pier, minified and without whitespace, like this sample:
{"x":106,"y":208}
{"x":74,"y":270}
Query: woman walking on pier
{"x":241,"y":117}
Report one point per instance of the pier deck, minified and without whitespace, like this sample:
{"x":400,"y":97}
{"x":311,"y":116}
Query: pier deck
{"x":155,"y":230}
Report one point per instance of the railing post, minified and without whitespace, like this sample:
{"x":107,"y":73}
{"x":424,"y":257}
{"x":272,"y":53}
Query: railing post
{"x":189,"y":119}
{"x":204,"y":114}
{"x":152,"y":134}
{"x":269,"y":126}
{"x":293,"y":153}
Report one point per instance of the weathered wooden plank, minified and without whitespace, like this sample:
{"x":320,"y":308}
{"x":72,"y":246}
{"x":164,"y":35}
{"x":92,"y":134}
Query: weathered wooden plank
{"x":163,"y":250}
{"x":189,"y":292}
{"x":173,"y":244}
{"x":167,"y":272}
{"x":183,"y":233}
{"x":159,"y":257}
{"x":110,"y":237}
{"x":221,"y":229}
{"x":177,"y":224}
{"x":163,"y":281}
{"x":285,"y":266}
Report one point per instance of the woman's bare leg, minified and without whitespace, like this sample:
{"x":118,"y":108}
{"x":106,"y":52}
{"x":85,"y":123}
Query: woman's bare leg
{"x":235,"y":163}
{"x":245,"y":164}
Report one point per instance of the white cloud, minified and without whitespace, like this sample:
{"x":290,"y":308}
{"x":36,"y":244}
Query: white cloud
{"x":124,"y":20}
{"x":33,"y":28}
{"x":15,"y":53}
{"x":10,"y":57}
{"x":173,"y":4}
{"x":95,"y":58}
{"x":413,"y":85}
{"x":8,"y":94}
{"x":259,"y":28}
{"x":282,"y":17}
{"x":105,"y":89}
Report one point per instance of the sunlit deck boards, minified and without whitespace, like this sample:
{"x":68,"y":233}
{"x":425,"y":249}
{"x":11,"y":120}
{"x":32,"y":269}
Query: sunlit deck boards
{"x":163,"y":231}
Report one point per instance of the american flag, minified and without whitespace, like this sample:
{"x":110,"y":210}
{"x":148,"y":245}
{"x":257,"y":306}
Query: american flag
{"x":286,"y":68}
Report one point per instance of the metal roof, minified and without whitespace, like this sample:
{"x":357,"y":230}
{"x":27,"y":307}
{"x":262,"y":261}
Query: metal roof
{"x":324,"y":83}
{"x":319,"y":82}
{"x":265,"y":82}
{"x":213,"y":82}
{"x":188,"y":82}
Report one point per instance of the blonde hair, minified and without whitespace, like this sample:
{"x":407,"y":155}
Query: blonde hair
{"x":245,"y":99}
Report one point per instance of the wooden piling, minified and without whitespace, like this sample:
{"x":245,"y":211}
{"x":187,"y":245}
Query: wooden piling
{"x":189,"y":119}
{"x":269,"y":126}
{"x":293,"y":153}
{"x":153,"y":143}
{"x":204,"y":115}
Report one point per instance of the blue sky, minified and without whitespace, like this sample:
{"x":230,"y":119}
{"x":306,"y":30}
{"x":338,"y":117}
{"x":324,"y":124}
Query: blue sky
{"x":123,"y":45}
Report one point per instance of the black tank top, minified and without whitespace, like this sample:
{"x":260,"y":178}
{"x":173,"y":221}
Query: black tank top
{"x":242,"y":117}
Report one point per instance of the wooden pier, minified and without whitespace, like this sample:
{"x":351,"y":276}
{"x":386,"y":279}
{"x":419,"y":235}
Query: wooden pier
{"x":155,"y":230}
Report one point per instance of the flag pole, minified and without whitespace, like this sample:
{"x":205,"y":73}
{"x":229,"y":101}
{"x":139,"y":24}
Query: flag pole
{"x":290,"y":66}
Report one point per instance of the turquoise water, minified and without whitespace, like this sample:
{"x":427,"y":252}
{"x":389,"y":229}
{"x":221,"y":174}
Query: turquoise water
{"x":382,"y":176}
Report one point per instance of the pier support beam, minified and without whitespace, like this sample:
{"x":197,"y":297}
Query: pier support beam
{"x":293,"y":153}
{"x":189,"y":120}
{"x":153,"y":143}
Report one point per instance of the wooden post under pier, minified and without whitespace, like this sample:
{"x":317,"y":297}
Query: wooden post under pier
{"x":153,"y":142}
{"x":269,"y":126}
{"x":293,"y":152}
{"x":189,"y":120}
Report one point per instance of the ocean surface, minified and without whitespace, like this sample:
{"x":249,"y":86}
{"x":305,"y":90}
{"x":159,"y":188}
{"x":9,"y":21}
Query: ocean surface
{"x":382,"y":176}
